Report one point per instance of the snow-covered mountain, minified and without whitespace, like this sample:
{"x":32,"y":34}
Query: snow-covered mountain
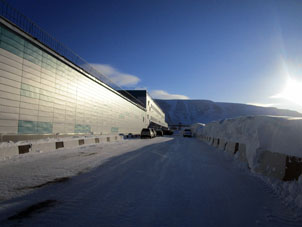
{"x":204,"y":111}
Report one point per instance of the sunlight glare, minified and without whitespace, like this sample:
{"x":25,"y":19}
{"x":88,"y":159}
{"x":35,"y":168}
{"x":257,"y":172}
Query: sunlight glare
{"x":292,"y":91}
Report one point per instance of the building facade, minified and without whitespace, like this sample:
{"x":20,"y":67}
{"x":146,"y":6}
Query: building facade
{"x":43,"y":93}
{"x":155,"y":115}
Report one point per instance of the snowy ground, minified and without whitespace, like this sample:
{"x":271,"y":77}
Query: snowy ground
{"x":170,"y":181}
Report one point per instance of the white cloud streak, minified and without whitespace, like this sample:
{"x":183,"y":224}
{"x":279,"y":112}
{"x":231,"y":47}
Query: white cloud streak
{"x":128,"y":80}
{"x":121,"y":79}
{"x":160,"y":94}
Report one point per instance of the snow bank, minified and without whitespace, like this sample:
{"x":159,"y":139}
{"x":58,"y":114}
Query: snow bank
{"x":271,"y":145}
{"x":196,"y":128}
{"x":11,"y":149}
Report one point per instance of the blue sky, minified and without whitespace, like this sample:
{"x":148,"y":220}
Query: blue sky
{"x":228,"y":51}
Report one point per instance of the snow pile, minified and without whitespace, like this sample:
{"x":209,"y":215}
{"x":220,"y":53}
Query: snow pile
{"x":11,"y":149}
{"x":259,"y":133}
{"x":289,"y":191}
{"x":275,"y":139}
{"x":196,"y":128}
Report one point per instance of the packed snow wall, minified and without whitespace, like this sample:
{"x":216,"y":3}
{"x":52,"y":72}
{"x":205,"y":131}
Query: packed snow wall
{"x":271,"y":145}
{"x":42,"y":93}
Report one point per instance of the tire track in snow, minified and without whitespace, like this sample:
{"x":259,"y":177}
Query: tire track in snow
{"x":182,"y":182}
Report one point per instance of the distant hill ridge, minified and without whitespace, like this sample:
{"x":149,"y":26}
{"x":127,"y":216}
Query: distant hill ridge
{"x":204,"y":111}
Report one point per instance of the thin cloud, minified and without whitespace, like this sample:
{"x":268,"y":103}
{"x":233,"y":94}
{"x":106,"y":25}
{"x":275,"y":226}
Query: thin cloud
{"x":160,"y":94}
{"x":140,"y":88}
{"x":121,"y":79}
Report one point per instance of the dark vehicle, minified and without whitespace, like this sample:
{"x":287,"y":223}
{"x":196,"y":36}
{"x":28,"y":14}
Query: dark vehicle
{"x":147,"y":133}
{"x":159,"y":132}
{"x":187,"y":133}
{"x":168,"y":132}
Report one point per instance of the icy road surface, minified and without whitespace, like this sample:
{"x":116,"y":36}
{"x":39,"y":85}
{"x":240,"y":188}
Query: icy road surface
{"x":171,"y":181}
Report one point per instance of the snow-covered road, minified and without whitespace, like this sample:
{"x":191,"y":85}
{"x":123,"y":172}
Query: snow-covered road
{"x":171,"y":181}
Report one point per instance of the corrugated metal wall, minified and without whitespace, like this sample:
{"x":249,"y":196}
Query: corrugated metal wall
{"x":40,"y":94}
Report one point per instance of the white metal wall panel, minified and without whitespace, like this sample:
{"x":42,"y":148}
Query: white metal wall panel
{"x":41,"y":94}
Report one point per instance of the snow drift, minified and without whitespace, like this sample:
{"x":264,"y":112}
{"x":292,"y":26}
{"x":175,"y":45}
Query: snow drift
{"x":196,"y":128}
{"x":11,"y":149}
{"x":271,"y":145}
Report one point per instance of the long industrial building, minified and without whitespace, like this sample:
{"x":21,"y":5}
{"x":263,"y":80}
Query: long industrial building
{"x":44,"y":93}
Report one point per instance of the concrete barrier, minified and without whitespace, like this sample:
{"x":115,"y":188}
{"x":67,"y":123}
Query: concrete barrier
{"x":238,"y":149}
{"x":225,"y":146}
{"x":212,"y":141}
{"x":24,"y":148}
{"x":234,"y":148}
{"x":89,"y":141}
{"x":59,"y":144}
{"x":230,"y":147}
{"x":71,"y":143}
{"x":270,"y":145}
{"x":241,"y":152}
{"x":43,"y":147}
{"x":81,"y":142}
{"x":221,"y":145}
{"x":271,"y":164}
{"x":37,"y":146}
{"x":293,"y":168}
{"x":216,"y":142}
